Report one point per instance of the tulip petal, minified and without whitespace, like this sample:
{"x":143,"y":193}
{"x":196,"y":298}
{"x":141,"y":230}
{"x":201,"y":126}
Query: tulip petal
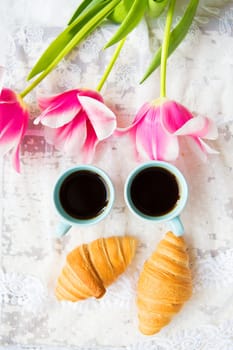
{"x":2,"y":74}
{"x":70,"y":137}
{"x":7,"y":127}
{"x":205,"y":147}
{"x":90,"y":144}
{"x":13,"y":123}
{"x":13,"y":120}
{"x":8,"y":97}
{"x":45,"y":102}
{"x":153,"y":141}
{"x":174,"y":116}
{"x":139,"y":116}
{"x":58,"y":110}
{"x":200,"y":148}
{"x":101,"y":117}
{"x":15,"y":154}
{"x":168,"y":147}
{"x":200,"y":127}
{"x":91,"y":93}
{"x":145,"y":136}
{"x":143,"y":143}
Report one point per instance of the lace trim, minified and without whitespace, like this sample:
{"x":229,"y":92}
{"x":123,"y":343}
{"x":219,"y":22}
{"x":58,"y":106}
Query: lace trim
{"x":214,"y":272}
{"x":21,"y":290}
{"x":204,"y":337}
{"x":208,"y":9}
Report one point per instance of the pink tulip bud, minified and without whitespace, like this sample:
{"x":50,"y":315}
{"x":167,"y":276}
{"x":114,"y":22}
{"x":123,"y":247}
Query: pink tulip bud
{"x":159,"y":124}
{"x":76,"y":121}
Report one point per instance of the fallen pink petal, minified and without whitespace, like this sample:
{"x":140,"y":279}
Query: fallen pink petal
{"x":76,"y":121}
{"x":13,"y":124}
{"x":158,"y":125}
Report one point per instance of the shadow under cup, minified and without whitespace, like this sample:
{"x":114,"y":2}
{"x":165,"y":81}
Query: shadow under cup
{"x":83,"y":195}
{"x":157,"y":191}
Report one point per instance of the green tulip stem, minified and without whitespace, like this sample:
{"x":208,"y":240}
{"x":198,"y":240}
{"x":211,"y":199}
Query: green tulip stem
{"x":111,"y":64}
{"x":165,"y":47}
{"x":33,"y":84}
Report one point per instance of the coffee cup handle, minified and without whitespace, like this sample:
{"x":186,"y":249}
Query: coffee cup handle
{"x":62,"y":229}
{"x":176,"y":226}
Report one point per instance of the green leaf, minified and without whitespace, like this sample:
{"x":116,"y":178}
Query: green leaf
{"x":177,"y":35}
{"x":82,"y":7}
{"x":64,"y":38}
{"x":155,"y":8}
{"x":80,"y":35}
{"x":121,"y":11}
{"x":130,"y":22}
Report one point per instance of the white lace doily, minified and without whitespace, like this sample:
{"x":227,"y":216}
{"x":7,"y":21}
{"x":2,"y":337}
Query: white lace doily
{"x":199,"y":76}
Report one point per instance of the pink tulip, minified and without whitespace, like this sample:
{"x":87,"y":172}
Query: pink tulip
{"x":13,"y":122}
{"x":158,"y":126}
{"x":76,"y":121}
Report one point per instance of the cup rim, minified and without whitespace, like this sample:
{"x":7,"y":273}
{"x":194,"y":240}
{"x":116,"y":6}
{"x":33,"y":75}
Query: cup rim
{"x":183,"y":186}
{"x":65,"y":217}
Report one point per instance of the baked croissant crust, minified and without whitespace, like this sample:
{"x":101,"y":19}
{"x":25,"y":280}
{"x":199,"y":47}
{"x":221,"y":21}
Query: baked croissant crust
{"x":164,"y":284}
{"x":90,"y":268}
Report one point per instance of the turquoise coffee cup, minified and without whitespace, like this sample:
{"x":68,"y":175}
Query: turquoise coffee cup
{"x":151,"y":189}
{"x":67,"y":190}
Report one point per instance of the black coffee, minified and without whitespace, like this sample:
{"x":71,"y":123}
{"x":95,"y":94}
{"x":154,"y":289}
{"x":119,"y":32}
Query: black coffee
{"x":154,"y":191}
{"x":83,"y":195}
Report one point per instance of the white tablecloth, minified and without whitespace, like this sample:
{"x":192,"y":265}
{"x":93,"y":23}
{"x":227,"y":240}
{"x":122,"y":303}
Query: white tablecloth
{"x":199,"y":76}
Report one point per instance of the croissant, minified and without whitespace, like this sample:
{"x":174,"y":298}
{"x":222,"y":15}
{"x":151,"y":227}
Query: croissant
{"x":90,"y":268}
{"x":164,"y":284}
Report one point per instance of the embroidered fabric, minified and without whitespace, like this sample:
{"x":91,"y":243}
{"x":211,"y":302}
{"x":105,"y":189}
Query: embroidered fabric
{"x":21,"y":290}
{"x":199,"y":76}
{"x":206,"y":337}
